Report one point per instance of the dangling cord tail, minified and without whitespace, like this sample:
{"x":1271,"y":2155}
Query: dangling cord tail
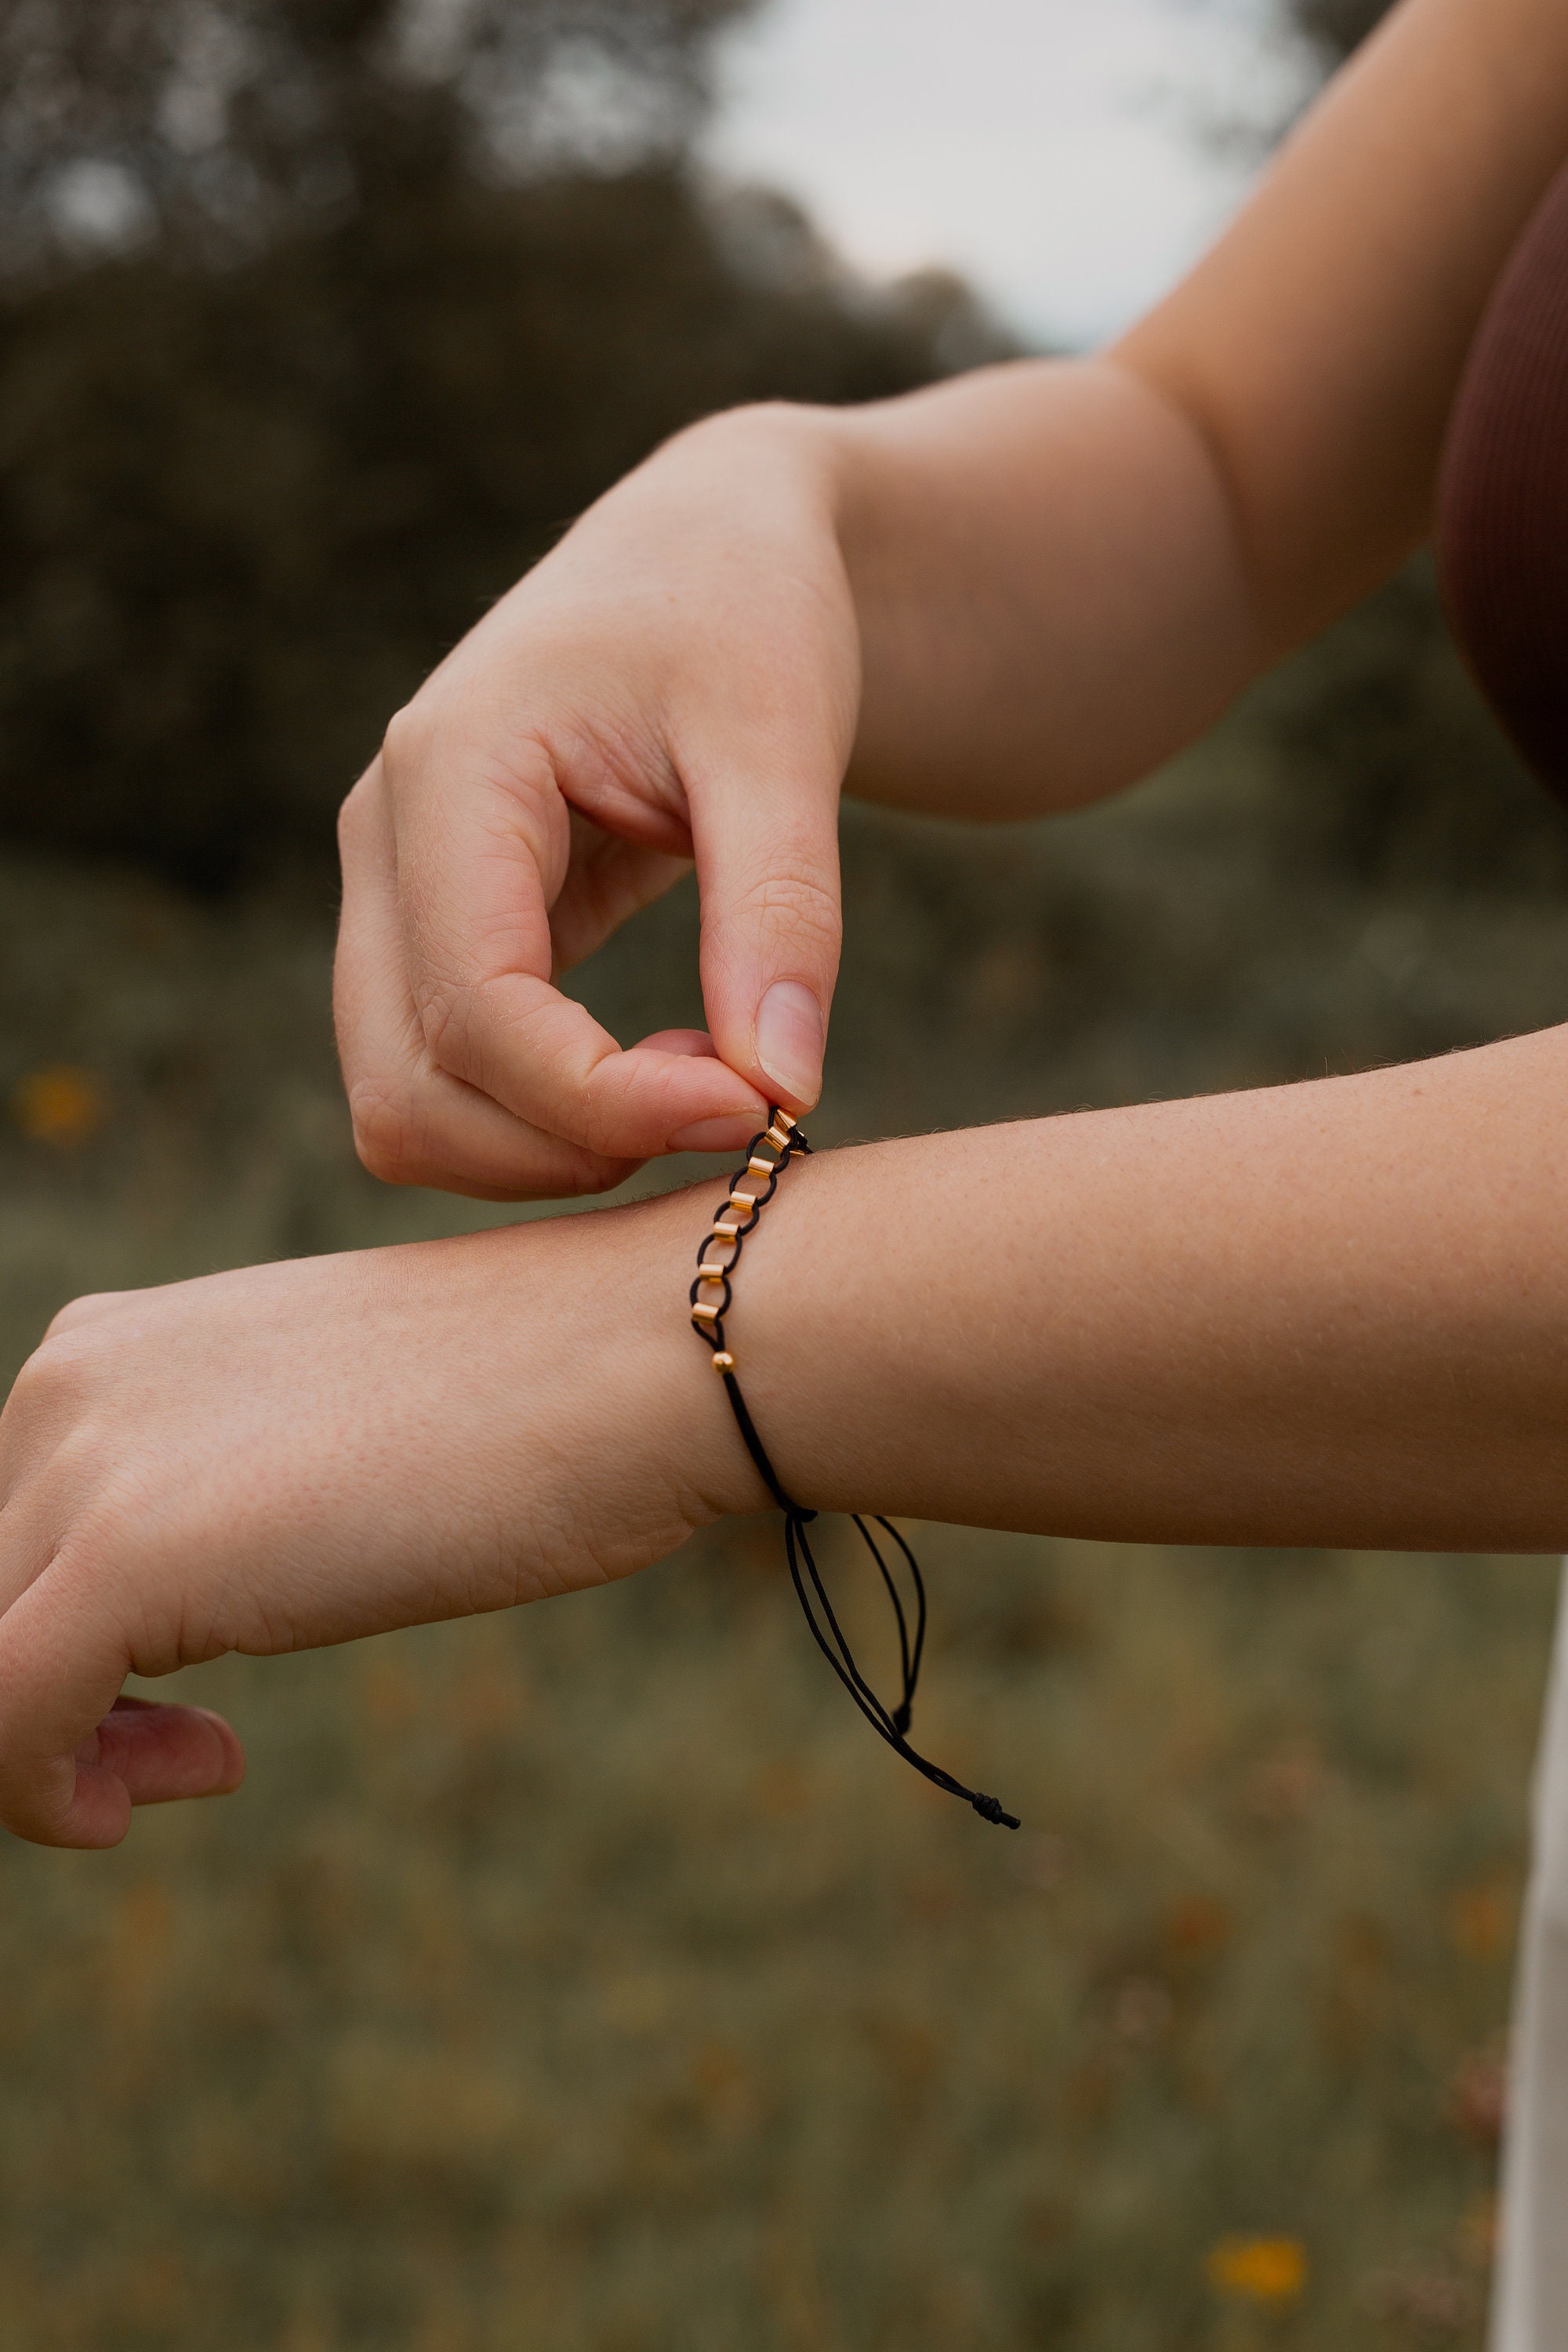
{"x":712,"y":1299}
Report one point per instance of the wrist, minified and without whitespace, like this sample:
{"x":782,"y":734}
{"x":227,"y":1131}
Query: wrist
{"x":651,"y":1390}
{"x":804,"y":455}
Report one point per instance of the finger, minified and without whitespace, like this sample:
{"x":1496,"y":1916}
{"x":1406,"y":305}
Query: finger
{"x":161,"y":1752}
{"x":767,"y":868}
{"x":62,"y":1664}
{"x":414,"y":1123}
{"x":474,"y":902}
{"x":703,"y":1135}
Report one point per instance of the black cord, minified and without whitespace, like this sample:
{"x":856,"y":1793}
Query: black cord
{"x":783,"y":1139}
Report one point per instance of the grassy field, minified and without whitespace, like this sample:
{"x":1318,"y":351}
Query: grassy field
{"x":589,"y":1980}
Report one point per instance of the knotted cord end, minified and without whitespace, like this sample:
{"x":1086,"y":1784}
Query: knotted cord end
{"x":990,"y":1810}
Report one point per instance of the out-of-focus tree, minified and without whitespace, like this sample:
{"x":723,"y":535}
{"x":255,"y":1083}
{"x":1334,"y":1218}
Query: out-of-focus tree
{"x":225,"y":121}
{"x":1337,"y":26}
{"x":324,"y":317}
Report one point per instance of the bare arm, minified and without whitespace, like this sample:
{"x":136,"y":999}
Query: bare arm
{"x":1331,"y":1314}
{"x":1325,"y":1314}
{"x":1064,"y":573}
{"x":1335,"y":1313}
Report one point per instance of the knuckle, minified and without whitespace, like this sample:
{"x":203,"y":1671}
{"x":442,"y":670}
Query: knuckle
{"x":78,"y":1311}
{"x":59,"y":1369}
{"x":58,"y":1427}
{"x":795,"y":903}
{"x":402,"y":743}
{"x":355,"y":815}
{"x":386,"y":1126}
{"x":447,"y":1011}
{"x":35,"y":1800}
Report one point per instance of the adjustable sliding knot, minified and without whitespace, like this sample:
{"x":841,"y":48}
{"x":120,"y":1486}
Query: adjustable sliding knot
{"x":712,"y":1297}
{"x":990,"y":1810}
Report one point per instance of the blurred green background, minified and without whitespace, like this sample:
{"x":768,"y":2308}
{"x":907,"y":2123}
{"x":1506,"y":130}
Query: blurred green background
{"x":589,"y":1978}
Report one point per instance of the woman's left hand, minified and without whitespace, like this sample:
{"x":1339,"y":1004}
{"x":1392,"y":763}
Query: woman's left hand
{"x":300,"y":1454}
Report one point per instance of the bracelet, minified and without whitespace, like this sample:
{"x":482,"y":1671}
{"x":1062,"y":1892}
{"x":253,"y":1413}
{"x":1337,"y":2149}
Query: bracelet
{"x":712,"y":1295}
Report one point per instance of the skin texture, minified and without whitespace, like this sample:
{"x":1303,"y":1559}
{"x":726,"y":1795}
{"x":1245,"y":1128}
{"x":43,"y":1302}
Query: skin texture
{"x":245,"y":1463}
{"x":1330,"y":1313}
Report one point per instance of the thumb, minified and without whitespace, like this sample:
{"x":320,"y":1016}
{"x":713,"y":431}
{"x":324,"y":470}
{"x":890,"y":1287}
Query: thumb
{"x":767,"y":872}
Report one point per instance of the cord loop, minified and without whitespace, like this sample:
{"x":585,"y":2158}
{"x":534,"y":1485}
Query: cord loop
{"x":783,"y":1139}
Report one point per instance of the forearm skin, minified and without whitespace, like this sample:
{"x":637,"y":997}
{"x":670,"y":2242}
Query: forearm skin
{"x":1331,"y":1314}
{"x":1051,"y":589}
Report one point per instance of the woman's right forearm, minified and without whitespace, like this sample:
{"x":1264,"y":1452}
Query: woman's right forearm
{"x":1332,"y":1314}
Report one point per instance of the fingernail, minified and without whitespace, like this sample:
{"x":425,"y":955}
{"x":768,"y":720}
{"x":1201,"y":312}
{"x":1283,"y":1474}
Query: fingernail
{"x":789,"y":1041}
{"x":715,"y":1134}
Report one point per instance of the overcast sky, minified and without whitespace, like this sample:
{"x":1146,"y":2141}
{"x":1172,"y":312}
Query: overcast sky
{"x":1046,"y":148}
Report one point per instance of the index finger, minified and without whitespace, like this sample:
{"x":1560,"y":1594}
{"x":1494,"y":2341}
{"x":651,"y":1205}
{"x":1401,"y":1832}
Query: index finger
{"x":475,"y":899}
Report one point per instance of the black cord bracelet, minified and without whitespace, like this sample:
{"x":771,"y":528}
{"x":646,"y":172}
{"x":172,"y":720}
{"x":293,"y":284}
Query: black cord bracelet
{"x":712,"y":1299}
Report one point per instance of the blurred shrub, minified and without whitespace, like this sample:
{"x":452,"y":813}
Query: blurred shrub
{"x":1389,"y":770}
{"x":353,"y":366}
{"x":1338,"y":25}
{"x":318,"y":322}
{"x":244,"y":510}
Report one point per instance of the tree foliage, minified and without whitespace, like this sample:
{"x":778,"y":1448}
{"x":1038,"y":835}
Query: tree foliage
{"x":394,"y":293}
{"x":1337,"y":26}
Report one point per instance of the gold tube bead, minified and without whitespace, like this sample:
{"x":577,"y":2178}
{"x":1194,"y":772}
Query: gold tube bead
{"x":712,"y":1272}
{"x":780,"y":1143}
{"x":743,"y":1200}
{"x":722,"y":1361}
{"x":785,"y":1120}
{"x":759,"y":1168}
{"x":708,"y":1314}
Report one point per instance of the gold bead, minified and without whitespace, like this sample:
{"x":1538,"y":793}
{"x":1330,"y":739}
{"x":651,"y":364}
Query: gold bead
{"x":722,"y":1361}
{"x":780,"y":1143}
{"x":708,"y":1314}
{"x":712,"y":1273}
{"x":743,"y":1200}
{"x":759,"y":1168}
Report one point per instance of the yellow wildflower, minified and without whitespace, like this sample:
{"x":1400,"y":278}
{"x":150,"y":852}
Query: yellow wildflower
{"x":58,"y":1105}
{"x":1258,"y":2270}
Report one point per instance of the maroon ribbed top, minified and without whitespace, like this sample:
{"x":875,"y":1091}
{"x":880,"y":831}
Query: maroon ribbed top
{"x":1502,"y":510}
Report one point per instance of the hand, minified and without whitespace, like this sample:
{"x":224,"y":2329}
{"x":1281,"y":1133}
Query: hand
{"x":299,"y":1454}
{"x":677,"y":681}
